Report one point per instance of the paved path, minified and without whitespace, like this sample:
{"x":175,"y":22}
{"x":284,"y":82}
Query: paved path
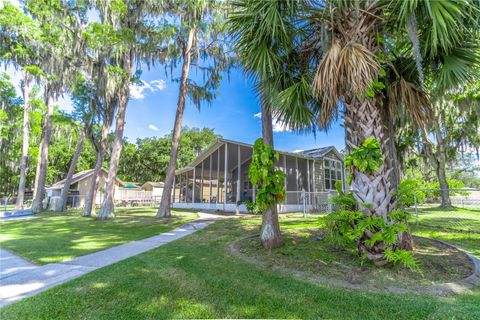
{"x":20,"y":279}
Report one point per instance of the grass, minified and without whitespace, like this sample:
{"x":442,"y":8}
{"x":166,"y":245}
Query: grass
{"x":458,"y":226}
{"x":324,"y":259}
{"x":54,"y":237}
{"x":197,"y":277}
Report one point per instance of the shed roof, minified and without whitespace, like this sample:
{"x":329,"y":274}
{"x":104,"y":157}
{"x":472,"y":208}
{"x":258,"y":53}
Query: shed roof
{"x":154,"y":184}
{"x":79,"y":176}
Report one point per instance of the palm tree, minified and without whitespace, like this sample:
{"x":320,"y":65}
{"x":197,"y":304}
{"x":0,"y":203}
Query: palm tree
{"x":369,"y":67}
{"x":264,"y":33}
{"x":367,"y":59}
{"x":199,"y":39}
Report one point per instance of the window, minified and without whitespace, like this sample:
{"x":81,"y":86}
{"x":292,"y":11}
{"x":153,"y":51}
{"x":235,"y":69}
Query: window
{"x":247,"y":185}
{"x":333,"y":173}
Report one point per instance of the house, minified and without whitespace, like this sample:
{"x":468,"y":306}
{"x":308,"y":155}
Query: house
{"x":156,"y":188}
{"x":81,"y":183}
{"x":218,"y":178}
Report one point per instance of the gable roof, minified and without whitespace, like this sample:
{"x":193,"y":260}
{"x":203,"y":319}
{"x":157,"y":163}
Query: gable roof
{"x":79,"y":176}
{"x":312,"y":154}
{"x":321,"y":152}
{"x":154,"y":184}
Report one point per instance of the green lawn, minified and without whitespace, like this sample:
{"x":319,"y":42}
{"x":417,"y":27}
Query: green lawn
{"x":197,"y":277}
{"x":53,"y":237}
{"x":458,"y":226}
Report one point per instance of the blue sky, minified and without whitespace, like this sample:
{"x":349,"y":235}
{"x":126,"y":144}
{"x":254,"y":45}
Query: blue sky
{"x":233,"y":114}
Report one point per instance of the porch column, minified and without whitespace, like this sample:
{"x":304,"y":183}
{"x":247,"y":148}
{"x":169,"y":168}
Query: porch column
{"x":225,"y":176}
{"x":308,"y":179}
{"x":296,"y":180}
{"x":210,"y":179}
{"x":239,"y":167}
{"x":218,"y":175}
{"x":314,"y":177}
{"x":186,"y":187}
{"x":193,"y":186}
{"x":201,"y":184}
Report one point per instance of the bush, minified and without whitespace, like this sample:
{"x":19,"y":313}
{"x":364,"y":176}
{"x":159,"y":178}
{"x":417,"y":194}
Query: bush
{"x":348,"y":228}
{"x":252,"y":207}
{"x":434,"y":194}
{"x":343,"y":200}
{"x":407,"y":190}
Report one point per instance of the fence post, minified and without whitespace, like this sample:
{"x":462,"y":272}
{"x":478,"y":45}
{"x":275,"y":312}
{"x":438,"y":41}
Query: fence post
{"x":329,"y":205}
{"x":416,"y":207}
{"x":304,"y":204}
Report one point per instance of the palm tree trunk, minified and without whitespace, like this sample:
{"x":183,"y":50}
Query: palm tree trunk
{"x":68,"y":180}
{"x":26,"y":137}
{"x":92,"y":192}
{"x":42,"y":165}
{"x":377,"y":189}
{"x":108,"y":207}
{"x":270,"y":235}
{"x":164,"y":210}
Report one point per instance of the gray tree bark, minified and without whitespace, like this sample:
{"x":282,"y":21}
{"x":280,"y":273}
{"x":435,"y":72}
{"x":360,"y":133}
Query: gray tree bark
{"x":42,"y":165}
{"x":164,"y":210}
{"x":440,"y":167}
{"x":71,"y":170}
{"x":270,"y":235}
{"x":108,"y":208}
{"x":92,"y":192}
{"x":26,"y":137}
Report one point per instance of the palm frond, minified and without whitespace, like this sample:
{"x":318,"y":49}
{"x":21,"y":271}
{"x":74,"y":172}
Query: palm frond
{"x":417,"y":106}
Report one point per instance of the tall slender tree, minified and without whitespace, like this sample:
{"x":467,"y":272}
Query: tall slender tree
{"x":59,"y":25}
{"x":264,"y":34}
{"x":18,"y":33}
{"x":140,"y":37}
{"x":199,"y":35}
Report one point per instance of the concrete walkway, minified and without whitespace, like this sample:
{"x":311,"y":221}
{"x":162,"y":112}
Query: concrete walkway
{"x":20,"y":279}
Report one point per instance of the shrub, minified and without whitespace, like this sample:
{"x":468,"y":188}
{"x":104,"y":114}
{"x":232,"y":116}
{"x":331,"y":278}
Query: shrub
{"x":434,"y":193}
{"x":252,"y":207}
{"x":407,"y":190}
{"x":343,"y":200}
{"x":346,"y":228}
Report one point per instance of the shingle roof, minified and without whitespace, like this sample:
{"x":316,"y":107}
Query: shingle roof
{"x":79,"y":176}
{"x":154,"y":184}
{"x":317,"y":152}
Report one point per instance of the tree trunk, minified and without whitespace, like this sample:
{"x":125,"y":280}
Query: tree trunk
{"x":405,"y":239}
{"x":441,"y":159}
{"x":164,"y":210}
{"x":270,"y":235}
{"x":68,"y":180}
{"x":108,"y":207}
{"x":42,"y":165}
{"x":26,"y":137}
{"x":375,"y":189}
{"x":92,"y":192}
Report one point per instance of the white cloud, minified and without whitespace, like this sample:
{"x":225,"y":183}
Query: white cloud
{"x":159,"y":84}
{"x":298,"y":151}
{"x":154,"y":128}
{"x":138,"y":91}
{"x":278,"y":125}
